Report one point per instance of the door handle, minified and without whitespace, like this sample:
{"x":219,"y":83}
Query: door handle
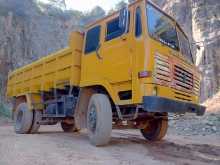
{"x":123,"y":38}
{"x":97,"y":52}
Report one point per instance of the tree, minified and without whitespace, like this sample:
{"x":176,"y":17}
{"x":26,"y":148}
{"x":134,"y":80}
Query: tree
{"x":120,"y":5}
{"x":131,"y":1}
{"x":59,"y":3}
{"x":96,"y":13}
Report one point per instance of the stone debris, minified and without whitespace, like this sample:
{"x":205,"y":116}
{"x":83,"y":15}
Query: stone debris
{"x":195,"y":125}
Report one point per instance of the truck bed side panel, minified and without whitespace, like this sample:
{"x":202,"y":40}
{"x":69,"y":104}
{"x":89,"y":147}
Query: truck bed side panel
{"x":54,"y":71}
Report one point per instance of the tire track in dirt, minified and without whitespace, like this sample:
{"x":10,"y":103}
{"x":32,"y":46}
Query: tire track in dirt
{"x":52,"y":146}
{"x":174,"y":152}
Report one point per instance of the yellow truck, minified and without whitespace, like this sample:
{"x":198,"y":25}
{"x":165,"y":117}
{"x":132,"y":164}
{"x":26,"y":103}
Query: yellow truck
{"x":130,"y":68}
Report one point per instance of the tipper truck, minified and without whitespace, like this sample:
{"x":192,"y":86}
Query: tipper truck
{"x":129,"y":69}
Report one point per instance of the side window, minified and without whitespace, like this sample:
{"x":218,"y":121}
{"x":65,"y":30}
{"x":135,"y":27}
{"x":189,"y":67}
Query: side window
{"x":113,"y":29}
{"x":138,"y":23}
{"x":92,"y":39}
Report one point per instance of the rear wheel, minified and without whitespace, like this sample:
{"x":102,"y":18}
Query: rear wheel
{"x":23,"y":119}
{"x":99,"y":120}
{"x":156,"y":129}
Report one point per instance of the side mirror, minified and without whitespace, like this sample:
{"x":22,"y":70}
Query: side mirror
{"x":123,"y":19}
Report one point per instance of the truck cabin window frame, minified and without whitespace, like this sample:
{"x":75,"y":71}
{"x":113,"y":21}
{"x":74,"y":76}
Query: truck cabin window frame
{"x":163,"y":29}
{"x":185,"y":45}
{"x":113,"y":29}
{"x":92,"y":39}
{"x":138,"y":22}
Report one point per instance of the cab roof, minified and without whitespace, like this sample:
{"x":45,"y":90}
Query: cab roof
{"x":129,"y":6}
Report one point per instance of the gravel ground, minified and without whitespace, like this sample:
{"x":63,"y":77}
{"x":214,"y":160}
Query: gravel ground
{"x":191,"y":125}
{"x":127,"y":147}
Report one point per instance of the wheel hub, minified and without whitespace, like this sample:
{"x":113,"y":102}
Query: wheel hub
{"x":19,"y":117}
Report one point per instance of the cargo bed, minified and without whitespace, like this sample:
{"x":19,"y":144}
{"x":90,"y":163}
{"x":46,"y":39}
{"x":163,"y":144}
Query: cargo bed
{"x":53,"y":71}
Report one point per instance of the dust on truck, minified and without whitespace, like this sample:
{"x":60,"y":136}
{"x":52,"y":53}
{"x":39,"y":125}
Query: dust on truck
{"x":130,"y":68}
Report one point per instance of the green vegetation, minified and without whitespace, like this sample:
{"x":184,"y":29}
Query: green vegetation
{"x":4,"y":110}
{"x":3,"y":11}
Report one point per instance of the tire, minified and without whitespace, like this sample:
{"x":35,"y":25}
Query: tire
{"x":23,"y":119}
{"x":68,"y":127}
{"x":37,"y":118}
{"x":156,"y":129}
{"x":99,"y":120}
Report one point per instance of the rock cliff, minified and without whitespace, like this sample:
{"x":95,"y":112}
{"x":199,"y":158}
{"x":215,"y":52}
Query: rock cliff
{"x":28,"y":31}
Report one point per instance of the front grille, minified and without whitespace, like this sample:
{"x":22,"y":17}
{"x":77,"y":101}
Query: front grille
{"x":196,"y":83}
{"x":169,"y":72}
{"x":183,"y":79}
{"x":162,"y":70}
{"x":182,"y":96}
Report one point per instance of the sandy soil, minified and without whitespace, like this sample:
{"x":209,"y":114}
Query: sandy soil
{"x":53,"y":147}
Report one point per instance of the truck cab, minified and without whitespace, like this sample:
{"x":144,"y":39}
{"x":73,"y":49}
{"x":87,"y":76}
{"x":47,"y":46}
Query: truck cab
{"x":146,"y":62}
{"x":142,"y":59}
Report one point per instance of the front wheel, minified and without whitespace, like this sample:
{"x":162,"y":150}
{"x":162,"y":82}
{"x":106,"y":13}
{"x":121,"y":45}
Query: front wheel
{"x":99,"y":120}
{"x":156,"y":129}
{"x":23,"y":119}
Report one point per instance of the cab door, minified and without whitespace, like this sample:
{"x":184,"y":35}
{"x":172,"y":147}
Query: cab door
{"x":139,"y":56}
{"x":91,"y":63}
{"x":116,"y":52}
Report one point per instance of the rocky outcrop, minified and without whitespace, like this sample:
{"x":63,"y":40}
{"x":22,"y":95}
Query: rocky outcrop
{"x":206,"y":30}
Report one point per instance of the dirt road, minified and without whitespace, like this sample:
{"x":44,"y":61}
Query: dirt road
{"x":53,"y":147}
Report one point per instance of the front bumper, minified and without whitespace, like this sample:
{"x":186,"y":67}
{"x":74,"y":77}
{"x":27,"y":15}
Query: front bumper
{"x":160,"y":104}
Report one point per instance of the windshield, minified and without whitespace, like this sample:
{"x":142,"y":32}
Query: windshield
{"x":185,"y":46}
{"x":161,"y":27}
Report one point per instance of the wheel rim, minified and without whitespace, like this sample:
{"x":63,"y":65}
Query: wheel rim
{"x":152,"y":129}
{"x":92,"y":118}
